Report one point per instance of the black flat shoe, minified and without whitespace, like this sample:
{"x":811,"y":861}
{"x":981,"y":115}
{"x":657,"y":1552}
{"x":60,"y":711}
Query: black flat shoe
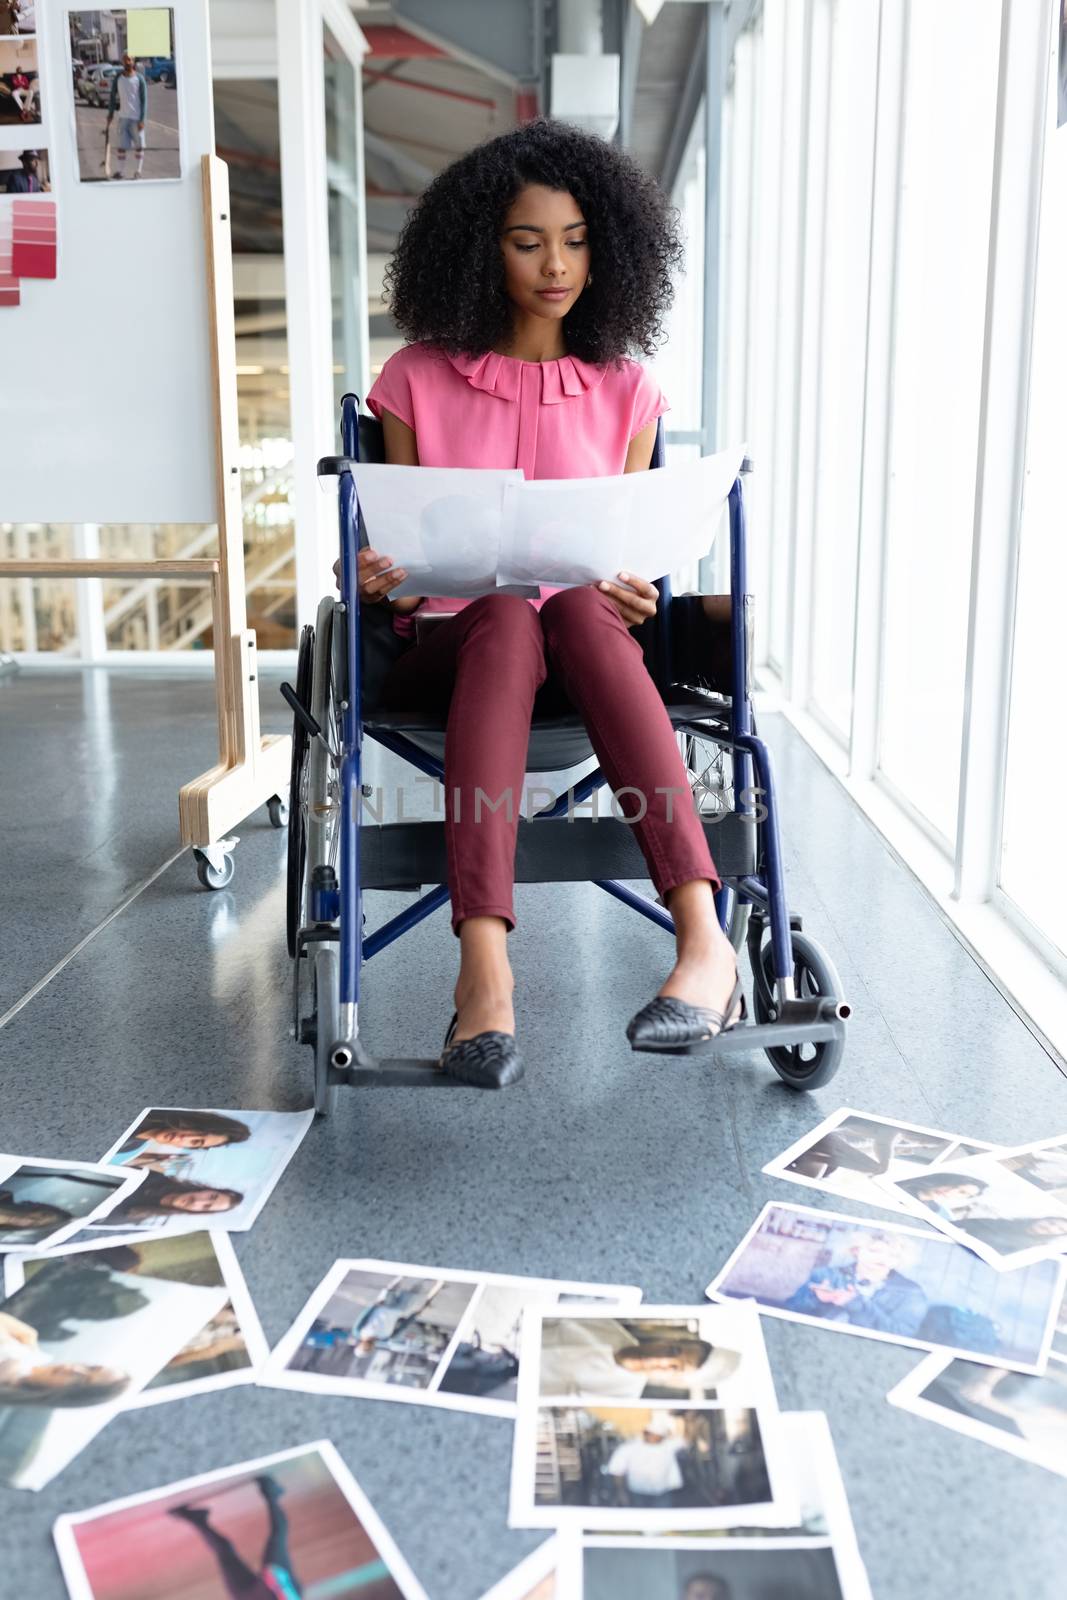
{"x":674,"y":1027}
{"x":488,"y":1061}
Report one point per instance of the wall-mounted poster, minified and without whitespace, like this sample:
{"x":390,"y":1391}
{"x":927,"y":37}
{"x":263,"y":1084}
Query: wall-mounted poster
{"x":18,"y":16}
{"x":24,"y":171}
{"x":20,"y":89}
{"x":124,"y":82}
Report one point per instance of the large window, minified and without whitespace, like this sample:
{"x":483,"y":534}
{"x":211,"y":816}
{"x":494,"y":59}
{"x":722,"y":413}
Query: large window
{"x":843,"y":305}
{"x":1034,"y":863}
{"x":900,"y":171}
{"x":941,"y":269}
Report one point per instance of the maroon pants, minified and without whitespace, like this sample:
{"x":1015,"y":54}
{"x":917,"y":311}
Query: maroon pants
{"x":492,"y":665}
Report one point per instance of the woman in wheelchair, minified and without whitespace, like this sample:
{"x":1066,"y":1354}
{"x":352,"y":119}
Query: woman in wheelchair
{"x":518,"y":357}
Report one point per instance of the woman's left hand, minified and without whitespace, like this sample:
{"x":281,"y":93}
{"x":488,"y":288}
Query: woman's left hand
{"x":636,"y":602}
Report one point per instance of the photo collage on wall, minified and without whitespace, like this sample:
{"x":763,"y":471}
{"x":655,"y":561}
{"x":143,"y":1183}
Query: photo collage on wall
{"x":27,"y":215}
{"x":119,"y":102}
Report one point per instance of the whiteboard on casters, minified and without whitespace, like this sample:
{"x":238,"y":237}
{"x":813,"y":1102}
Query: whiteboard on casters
{"x":107,"y":410}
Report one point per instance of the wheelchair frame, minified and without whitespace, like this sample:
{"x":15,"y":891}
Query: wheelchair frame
{"x":796,"y":992}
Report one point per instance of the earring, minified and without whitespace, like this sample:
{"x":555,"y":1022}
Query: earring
{"x":588,"y":279}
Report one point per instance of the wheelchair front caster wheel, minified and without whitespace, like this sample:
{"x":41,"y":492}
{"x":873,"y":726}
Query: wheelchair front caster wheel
{"x":214,"y":874}
{"x":801,"y":1066}
{"x":278,"y":811}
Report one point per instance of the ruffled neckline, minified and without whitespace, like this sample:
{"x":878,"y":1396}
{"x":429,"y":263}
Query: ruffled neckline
{"x":561,"y":378}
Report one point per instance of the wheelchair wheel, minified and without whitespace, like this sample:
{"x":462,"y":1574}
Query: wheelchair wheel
{"x":326,"y":1001}
{"x":801,"y":1066}
{"x":297,"y":852}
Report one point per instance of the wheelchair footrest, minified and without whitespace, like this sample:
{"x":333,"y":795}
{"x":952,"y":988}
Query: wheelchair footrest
{"x":396,"y":1072}
{"x":766,"y":1036}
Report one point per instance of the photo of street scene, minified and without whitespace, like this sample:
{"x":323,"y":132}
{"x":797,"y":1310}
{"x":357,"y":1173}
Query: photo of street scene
{"x":124,"y":84}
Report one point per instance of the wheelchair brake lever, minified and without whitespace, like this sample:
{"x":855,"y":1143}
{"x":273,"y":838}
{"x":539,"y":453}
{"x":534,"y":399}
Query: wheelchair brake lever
{"x":307,"y":721}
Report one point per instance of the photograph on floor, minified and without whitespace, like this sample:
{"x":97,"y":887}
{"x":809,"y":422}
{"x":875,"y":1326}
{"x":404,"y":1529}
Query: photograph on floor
{"x":632,"y":1569}
{"x":230,"y":1348}
{"x":78,"y":1341}
{"x":24,"y":172}
{"x":43,"y":1203}
{"x":824,"y":1519}
{"x":1058,"y":1347}
{"x":429,"y":1335}
{"x":203,"y":1169}
{"x":123,"y":82}
{"x":536,"y":1578}
{"x":1022,"y":1413}
{"x":887,"y":1281}
{"x":1008,"y":1206}
{"x":294,"y":1523}
{"x":18,"y":17}
{"x":850,"y":1148}
{"x":653,"y":1353}
{"x":818,"y":1492}
{"x":20,"y":84}
{"x":638,"y":1467}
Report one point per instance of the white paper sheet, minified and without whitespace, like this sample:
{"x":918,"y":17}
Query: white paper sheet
{"x":470,"y":531}
{"x":443,"y":525}
{"x":567,"y":531}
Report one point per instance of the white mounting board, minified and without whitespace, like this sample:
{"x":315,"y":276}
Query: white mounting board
{"x":107,"y":413}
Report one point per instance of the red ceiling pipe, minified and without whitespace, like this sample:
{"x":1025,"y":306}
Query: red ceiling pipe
{"x":397,"y":43}
{"x":427,"y":88}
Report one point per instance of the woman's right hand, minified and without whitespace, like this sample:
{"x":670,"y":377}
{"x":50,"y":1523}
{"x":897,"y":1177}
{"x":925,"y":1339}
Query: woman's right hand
{"x":371,"y":569}
{"x":376,"y":580}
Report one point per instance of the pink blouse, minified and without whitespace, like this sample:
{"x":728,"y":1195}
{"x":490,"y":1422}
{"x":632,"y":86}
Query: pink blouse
{"x":555,"y":419}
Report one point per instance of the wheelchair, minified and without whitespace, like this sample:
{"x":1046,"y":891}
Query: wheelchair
{"x":336,"y":854}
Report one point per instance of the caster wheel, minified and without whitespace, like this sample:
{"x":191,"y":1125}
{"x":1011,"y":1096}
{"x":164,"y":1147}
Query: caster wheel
{"x":801,"y":1066}
{"x":215,"y":877}
{"x":278,"y":811}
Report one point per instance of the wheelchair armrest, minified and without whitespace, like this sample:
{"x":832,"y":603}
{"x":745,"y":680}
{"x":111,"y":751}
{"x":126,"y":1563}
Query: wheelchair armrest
{"x":333,"y":466}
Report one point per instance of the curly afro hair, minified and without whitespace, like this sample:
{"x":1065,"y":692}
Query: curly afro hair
{"x":445,"y":281}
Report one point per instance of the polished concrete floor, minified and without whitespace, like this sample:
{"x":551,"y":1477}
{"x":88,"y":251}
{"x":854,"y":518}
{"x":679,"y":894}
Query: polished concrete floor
{"x":601,"y":1165}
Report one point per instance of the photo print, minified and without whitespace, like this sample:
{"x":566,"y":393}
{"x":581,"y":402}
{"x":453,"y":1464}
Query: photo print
{"x":1058,"y":1347}
{"x":536,"y":1578}
{"x":651,"y":1353}
{"x":847,"y":1151}
{"x":25,"y":171}
{"x":900,"y":1284}
{"x":1008,"y":1206}
{"x":428,"y":1335}
{"x":1019,"y":1412}
{"x":123,"y":82}
{"x":228,"y":1349}
{"x":202,"y":1169}
{"x":20,"y":84}
{"x":42,"y":1203}
{"x":286,"y":1524}
{"x":681,"y":1569}
{"x":824,"y":1520}
{"x":18,"y":17}
{"x":78,"y":1341}
{"x":642,"y":1467}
